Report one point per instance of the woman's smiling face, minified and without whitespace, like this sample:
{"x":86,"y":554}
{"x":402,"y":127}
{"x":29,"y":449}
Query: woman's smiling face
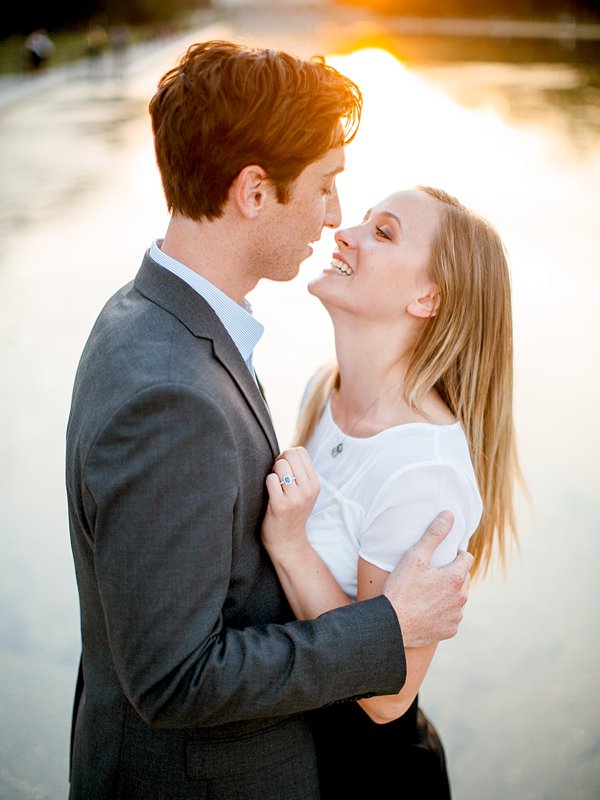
{"x":381,"y":265}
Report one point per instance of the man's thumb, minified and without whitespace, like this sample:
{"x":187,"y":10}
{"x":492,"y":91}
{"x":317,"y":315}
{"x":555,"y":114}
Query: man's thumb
{"x":436,"y":531}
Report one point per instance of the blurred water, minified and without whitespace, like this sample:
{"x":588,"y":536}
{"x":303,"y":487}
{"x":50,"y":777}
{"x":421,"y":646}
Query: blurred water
{"x":515,"y":695}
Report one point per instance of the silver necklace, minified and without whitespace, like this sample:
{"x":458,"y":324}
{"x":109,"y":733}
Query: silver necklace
{"x":337,"y":448}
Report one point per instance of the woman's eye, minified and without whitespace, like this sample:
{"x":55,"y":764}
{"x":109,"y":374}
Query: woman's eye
{"x":380,"y":232}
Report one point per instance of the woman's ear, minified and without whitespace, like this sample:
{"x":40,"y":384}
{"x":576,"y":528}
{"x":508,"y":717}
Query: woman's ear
{"x":425,"y":306}
{"x":250,"y":190}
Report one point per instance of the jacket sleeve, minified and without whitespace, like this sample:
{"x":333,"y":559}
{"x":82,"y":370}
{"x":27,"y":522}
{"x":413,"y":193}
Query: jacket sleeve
{"x":161,"y":484}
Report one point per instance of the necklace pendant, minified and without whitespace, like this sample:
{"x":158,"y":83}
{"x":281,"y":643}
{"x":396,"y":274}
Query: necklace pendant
{"x":335,"y":451}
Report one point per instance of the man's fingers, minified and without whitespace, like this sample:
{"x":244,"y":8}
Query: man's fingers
{"x":465,"y":587}
{"x":434,"y":534}
{"x":464,"y":561}
{"x":442,"y":524}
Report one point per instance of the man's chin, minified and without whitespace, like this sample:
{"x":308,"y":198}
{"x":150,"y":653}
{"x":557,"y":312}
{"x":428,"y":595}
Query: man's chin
{"x":307,"y":254}
{"x":284,"y":275}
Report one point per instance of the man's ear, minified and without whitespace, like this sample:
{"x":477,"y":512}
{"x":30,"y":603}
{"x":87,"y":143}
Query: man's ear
{"x":250,"y":190}
{"x":425,"y":306}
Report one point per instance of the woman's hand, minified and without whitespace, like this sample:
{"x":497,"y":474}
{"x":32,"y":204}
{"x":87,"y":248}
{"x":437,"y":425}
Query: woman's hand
{"x":308,"y":584}
{"x":293,"y":488}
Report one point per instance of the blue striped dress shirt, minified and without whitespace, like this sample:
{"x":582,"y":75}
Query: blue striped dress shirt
{"x":237,"y":320}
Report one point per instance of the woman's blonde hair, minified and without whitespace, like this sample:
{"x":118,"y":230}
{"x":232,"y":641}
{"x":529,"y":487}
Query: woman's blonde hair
{"x":465,"y":353}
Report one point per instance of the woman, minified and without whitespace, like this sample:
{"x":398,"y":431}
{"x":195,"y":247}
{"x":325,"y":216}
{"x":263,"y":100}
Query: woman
{"x":415,"y":417}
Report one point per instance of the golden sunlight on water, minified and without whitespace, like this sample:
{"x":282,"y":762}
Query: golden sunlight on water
{"x":514,"y":694}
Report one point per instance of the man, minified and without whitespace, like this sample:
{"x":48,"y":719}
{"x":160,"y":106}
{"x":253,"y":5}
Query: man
{"x":194,"y":675}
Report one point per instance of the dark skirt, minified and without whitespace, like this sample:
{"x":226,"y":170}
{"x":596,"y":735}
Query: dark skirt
{"x":359,"y":759}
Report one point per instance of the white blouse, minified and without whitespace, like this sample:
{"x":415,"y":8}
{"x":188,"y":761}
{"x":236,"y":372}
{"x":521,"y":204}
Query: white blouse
{"x":380,"y":493}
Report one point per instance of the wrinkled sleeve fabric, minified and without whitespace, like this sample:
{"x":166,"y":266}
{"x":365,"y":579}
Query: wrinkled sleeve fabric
{"x":407,"y":502}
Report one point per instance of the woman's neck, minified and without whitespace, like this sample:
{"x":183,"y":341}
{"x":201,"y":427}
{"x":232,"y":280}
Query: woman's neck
{"x":372,"y":368}
{"x":371,"y":397}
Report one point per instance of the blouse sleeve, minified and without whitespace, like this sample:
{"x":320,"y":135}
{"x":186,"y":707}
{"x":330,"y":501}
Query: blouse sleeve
{"x":407,"y":502}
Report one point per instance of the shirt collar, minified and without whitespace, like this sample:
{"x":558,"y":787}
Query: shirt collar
{"x":237,"y":320}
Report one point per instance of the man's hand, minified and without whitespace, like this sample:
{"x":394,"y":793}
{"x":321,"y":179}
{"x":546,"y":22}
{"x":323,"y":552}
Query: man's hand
{"x":429,"y":601}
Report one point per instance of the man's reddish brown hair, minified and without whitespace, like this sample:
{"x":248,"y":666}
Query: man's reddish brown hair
{"x":226,"y":106}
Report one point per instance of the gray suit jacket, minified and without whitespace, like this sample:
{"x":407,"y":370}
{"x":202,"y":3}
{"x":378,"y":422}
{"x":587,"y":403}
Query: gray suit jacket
{"x":194,"y":675}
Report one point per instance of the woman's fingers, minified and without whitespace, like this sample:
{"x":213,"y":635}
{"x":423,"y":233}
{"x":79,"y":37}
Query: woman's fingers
{"x":285,"y":472}
{"x":291,"y":484}
{"x":274,"y":488}
{"x":298,"y":464}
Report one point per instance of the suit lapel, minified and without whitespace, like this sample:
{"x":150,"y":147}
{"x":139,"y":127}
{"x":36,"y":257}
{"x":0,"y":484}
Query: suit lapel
{"x":261,"y":390}
{"x":229,"y":356}
{"x":180,"y":300}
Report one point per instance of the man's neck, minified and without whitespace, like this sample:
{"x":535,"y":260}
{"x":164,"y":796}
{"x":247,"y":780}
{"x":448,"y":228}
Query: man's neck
{"x":212,"y":249}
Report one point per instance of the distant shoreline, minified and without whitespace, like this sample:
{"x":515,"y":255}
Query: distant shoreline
{"x":567,"y":29}
{"x":416,"y":39}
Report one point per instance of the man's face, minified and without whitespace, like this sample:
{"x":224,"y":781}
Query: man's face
{"x":289,"y":228}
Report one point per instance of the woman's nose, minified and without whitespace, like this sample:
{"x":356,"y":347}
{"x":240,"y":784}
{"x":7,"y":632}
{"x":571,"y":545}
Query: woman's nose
{"x":345,"y":237}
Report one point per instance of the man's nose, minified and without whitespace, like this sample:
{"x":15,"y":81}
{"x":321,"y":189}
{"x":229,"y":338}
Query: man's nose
{"x":333,"y":212}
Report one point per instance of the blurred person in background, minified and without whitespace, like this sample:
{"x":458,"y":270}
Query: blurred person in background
{"x":415,"y":415}
{"x":120,"y":40}
{"x":39,"y":49}
{"x":96,"y":43}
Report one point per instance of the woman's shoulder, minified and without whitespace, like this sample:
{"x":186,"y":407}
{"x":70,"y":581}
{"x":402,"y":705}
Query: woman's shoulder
{"x":436,"y":410}
{"x":416,"y":448}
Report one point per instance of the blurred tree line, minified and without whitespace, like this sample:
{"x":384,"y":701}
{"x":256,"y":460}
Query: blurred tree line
{"x":581,"y":10}
{"x":21,"y":18}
